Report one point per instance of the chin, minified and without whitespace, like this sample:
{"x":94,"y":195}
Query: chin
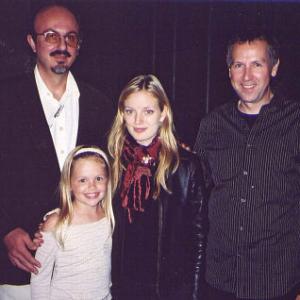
{"x":60,"y":69}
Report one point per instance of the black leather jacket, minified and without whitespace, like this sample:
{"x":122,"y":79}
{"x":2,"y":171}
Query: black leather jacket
{"x":180,"y":239}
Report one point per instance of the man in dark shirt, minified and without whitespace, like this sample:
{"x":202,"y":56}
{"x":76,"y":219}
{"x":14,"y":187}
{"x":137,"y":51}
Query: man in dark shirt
{"x":251,"y":152}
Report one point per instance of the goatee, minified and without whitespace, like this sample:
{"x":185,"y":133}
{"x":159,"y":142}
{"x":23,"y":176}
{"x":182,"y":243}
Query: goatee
{"x":60,"y":69}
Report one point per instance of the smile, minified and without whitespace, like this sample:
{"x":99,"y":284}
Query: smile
{"x":92,"y":195}
{"x":248,"y":86}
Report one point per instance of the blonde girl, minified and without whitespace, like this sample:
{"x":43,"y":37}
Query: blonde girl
{"x":75,"y":256}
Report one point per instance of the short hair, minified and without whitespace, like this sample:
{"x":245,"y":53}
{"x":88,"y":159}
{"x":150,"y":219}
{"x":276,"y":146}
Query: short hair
{"x":249,"y":36}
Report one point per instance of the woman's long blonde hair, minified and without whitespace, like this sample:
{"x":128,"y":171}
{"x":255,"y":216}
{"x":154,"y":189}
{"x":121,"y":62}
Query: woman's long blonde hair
{"x":66,"y":198}
{"x":168,"y":156}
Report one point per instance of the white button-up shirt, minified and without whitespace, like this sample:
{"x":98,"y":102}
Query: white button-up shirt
{"x":61,"y":115}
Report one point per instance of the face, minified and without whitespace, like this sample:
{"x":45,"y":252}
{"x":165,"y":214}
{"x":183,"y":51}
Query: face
{"x":143,"y":117}
{"x":88,"y":182}
{"x":250,"y":72}
{"x":54,"y":58}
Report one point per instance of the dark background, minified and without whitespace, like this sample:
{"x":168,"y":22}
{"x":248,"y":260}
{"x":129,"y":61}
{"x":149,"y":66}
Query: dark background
{"x":182,"y":42}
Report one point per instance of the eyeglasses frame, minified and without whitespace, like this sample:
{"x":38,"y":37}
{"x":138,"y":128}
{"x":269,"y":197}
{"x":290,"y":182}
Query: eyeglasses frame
{"x":35,"y":34}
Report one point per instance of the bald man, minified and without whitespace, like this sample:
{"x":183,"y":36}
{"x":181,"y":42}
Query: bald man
{"x":43,"y":116}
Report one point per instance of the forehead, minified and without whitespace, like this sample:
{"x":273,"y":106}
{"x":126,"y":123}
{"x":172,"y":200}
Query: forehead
{"x":254,"y":50}
{"x":57,"y":18}
{"x":141,"y":99}
{"x":89,"y":161}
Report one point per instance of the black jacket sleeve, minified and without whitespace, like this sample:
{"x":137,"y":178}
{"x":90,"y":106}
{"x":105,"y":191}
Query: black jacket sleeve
{"x":197,"y":199}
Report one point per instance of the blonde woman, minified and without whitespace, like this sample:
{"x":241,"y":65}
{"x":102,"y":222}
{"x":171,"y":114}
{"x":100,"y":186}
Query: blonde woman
{"x":159,"y":234}
{"x":75,"y":256}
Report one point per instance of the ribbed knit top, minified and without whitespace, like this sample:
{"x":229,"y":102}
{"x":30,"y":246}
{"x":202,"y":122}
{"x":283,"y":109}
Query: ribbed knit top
{"x":79,"y":270}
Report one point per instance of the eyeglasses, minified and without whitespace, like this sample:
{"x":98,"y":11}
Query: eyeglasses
{"x":52,"y":37}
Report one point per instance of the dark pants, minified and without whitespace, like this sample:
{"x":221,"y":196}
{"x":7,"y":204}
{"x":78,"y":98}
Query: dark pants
{"x":180,"y":293}
{"x":214,"y":294}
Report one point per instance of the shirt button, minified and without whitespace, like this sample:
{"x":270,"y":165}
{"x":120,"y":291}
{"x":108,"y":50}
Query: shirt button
{"x":252,"y":187}
{"x":249,"y":145}
{"x":61,"y":128}
{"x":245,"y":172}
{"x":62,"y":152}
{"x":243,"y":200}
{"x":241,"y":228}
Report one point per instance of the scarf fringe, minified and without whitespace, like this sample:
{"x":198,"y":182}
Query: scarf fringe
{"x":140,"y":163}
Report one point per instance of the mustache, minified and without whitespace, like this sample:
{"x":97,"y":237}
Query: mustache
{"x":60,"y":52}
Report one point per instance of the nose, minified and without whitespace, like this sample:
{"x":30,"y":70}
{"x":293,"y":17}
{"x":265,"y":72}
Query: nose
{"x":62,"y":44}
{"x":247,"y":73}
{"x":92,"y":184}
{"x":138,"y":119}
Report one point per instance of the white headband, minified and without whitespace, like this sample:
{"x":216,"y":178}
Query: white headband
{"x":93,"y":150}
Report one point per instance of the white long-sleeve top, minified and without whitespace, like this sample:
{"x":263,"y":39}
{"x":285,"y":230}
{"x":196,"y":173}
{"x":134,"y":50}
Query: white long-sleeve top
{"x":79,"y":271}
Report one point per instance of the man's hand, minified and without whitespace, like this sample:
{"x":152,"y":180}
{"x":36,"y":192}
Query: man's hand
{"x":19,"y":246}
{"x":38,"y":237}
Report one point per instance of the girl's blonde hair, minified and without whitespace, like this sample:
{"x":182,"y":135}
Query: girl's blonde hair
{"x":66,"y":197}
{"x":168,"y":156}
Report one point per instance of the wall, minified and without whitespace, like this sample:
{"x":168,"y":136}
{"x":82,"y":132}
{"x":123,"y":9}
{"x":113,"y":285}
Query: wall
{"x":182,"y":42}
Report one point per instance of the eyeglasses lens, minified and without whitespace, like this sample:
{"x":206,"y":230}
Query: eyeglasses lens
{"x":71,"y":39}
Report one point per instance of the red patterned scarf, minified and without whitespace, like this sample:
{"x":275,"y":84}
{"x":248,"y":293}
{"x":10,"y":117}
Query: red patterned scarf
{"x":140,"y":163}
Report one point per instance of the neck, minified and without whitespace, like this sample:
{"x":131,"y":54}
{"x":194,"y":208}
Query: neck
{"x":84,"y":215}
{"x":56,"y":83}
{"x":253,"y":108}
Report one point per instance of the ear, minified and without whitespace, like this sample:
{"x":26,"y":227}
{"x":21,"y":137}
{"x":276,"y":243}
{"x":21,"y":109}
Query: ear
{"x":77,"y":49}
{"x":31,"y":42}
{"x":229,"y":72}
{"x":79,"y":44}
{"x":275,"y":69}
{"x":163,"y":114}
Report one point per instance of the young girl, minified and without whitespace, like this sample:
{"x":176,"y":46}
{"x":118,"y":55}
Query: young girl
{"x":75,"y":256}
{"x":159,"y":235}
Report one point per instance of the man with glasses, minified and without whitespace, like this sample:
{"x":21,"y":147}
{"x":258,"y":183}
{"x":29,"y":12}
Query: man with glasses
{"x":43,"y":116}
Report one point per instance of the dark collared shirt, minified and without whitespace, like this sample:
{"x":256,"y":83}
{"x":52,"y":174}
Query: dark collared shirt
{"x":253,"y":245}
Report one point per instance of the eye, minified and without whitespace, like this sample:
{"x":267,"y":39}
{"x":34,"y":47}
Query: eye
{"x":257,"y":64}
{"x":51,"y":36}
{"x":72,"y":39}
{"x":236,"y":65}
{"x":128,"y":111}
{"x":82,"y":180}
{"x":149,"y":111}
{"x":100,"y":178}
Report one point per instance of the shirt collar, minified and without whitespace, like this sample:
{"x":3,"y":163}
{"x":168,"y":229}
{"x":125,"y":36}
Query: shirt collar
{"x":275,"y":103}
{"x":71,"y":86}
